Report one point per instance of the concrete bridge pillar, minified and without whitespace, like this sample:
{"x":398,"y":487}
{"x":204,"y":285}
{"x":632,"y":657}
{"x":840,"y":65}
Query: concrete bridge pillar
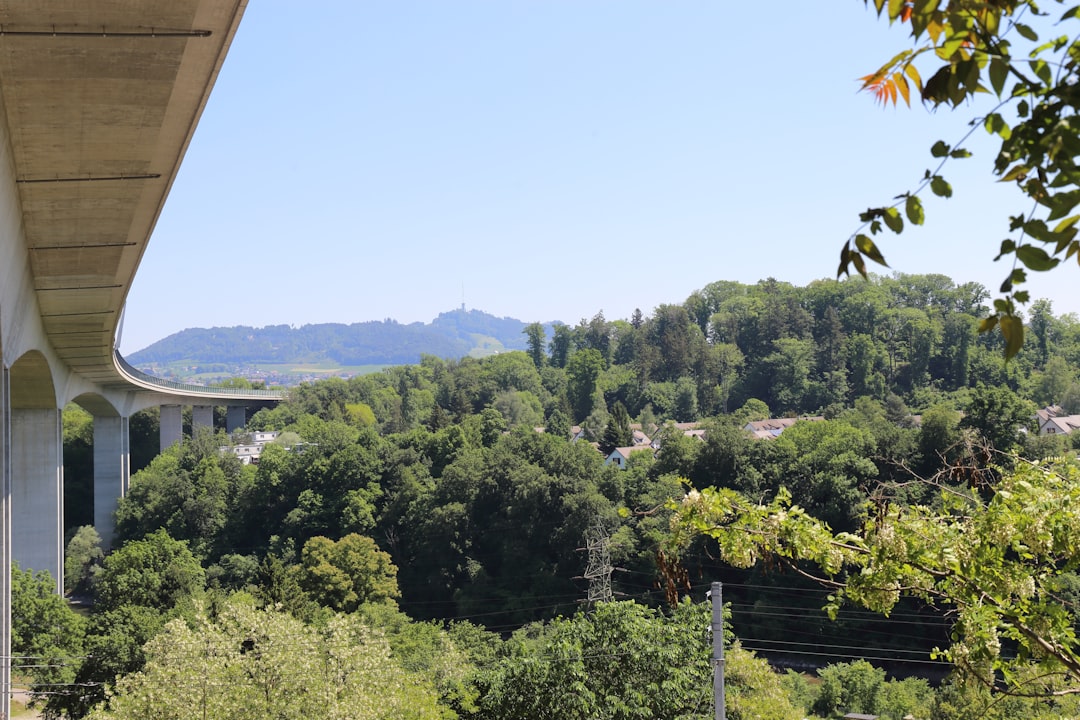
{"x":172,"y":426}
{"x":5,"y":542}
{"x":112,"y":471}
{"x":236,"y":418}
{"x":202,"y":416}
{"x":37,"y":471}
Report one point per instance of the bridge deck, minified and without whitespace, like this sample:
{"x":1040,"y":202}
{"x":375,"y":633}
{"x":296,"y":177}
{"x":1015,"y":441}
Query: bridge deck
{"x":149,"y":382}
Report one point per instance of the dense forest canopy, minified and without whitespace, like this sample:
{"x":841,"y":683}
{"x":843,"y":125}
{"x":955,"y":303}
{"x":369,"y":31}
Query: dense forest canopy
{"x":797,"y":349}
{"x":466,"y":491}
{"x":449,"y":538}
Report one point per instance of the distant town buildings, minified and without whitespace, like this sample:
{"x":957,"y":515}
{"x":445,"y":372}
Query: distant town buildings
{"x":771,"y":428}
{"x":758,"y":429}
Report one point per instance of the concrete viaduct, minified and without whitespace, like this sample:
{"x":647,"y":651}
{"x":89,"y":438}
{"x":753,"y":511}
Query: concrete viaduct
{"x":98,"y":102}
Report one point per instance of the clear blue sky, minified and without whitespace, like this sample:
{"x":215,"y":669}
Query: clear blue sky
{"x":550,"y":158}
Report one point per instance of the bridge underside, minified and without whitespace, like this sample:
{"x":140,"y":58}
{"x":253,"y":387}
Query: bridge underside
{"x":100,"y":100}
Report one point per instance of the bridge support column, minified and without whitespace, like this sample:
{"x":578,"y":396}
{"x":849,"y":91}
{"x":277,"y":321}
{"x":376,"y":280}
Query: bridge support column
{"x":172,"y":426}
{"x":5,"y":542}
{"x":37,"y":465}
{"x":202,"y":416}
{"x":236,"y":418}
{"x":112,"y":470}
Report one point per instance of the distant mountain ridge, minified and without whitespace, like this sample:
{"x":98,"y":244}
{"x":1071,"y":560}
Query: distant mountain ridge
{"x":452,"y":334}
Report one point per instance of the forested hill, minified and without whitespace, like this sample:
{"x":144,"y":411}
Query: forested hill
{"x":428,"y":486}
{"x":452,"y":334}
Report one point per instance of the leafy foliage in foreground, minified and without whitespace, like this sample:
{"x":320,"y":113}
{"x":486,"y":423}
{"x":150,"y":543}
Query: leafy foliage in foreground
{"x":250,"y":663}
{"x":999,"y":558}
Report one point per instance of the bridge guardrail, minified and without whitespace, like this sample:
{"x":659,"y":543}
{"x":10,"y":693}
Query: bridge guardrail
{"x":221,"y":392}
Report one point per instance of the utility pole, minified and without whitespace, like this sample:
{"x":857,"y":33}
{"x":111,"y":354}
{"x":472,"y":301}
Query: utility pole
{"x":718,"y":650}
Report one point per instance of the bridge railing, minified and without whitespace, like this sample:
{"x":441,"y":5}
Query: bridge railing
{"x":188,"y":388}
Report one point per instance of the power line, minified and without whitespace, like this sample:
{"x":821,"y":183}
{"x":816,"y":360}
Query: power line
{"x":744,"y":641}
{"x":858,"y":657}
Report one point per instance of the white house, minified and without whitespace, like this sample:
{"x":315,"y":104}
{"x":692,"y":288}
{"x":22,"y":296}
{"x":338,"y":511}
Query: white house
{"x":1052,"y":420}
{"x":621,"y":456}
{"x":249,"y":453}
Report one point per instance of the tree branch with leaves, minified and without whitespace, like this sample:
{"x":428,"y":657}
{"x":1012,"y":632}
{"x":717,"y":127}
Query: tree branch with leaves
{"x":1025,"y":57}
